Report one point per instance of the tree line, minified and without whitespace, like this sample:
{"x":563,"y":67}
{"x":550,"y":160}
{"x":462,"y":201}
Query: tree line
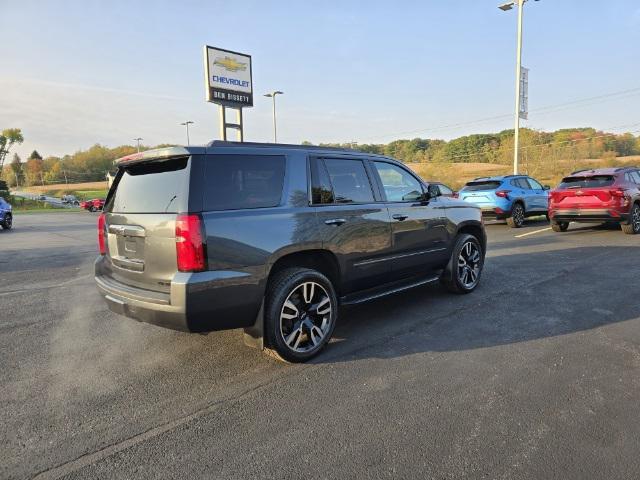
{"x":536,"y":147}
{"x":570,"y":143}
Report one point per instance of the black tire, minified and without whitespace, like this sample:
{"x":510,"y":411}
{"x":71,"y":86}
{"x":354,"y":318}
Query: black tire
{"x":453,"y":277}
{"x":516,"y":220}
{"x":92,"y":209}
{"x":633,"y":227}
{"x":8,"y":222}
{"x":302,"y":322}
{"x":559,"y":226}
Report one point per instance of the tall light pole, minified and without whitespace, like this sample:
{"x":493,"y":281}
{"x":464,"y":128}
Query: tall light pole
{"x":138,"y":142}
{"x":272,"y":95}
{"x":516,"y":132}
{"x":186,"y":124}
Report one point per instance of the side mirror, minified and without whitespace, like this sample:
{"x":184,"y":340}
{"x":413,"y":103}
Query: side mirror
{"x":547,"y":187}
{"x":432,"y":192}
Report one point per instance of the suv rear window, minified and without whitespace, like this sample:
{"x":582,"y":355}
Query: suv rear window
{"x":243,"y":181}
{"x":151,"y":187}
{"x":479,"y":186}
{"x":594,"y":181}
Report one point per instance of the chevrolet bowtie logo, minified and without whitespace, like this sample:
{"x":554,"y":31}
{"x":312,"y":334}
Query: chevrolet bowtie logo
{"x":230,"y":64}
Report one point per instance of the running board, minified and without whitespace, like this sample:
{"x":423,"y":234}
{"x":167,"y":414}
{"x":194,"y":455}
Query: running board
{"x":369,"y":295}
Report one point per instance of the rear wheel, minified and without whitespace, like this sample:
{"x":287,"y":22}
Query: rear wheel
{"x":516,"y":220}
{"x":8,"y":222}
{"x":300,"y":315}
{"x":559,"y":226}
{"x":463,"y":271}
{"x":633,"y":226}
{"x":92,"y":209}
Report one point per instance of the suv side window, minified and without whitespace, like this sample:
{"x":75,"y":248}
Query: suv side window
{"x":243,"y":181}
{"x":444,"y":190}
{"x":534,"y":185}
{"x":349,"y":180}
{"x":398,"y":184}
{"x":520,"y":183}
{"x":633,"y":177}
{"x":321,"y":189}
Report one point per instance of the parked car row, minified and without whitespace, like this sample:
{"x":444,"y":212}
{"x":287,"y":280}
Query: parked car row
{"x":610,"y":195}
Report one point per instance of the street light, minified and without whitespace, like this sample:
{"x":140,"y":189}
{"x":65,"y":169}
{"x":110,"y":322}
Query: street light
{"x":186,"y":124}
{"x":516,"y":133}
{"x":138,"y":142}
{"x":272,"y":95}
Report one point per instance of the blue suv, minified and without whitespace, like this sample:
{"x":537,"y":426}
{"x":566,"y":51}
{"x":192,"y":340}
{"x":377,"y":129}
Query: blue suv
{"x":510,"y":197}
{"x":6,"y":216}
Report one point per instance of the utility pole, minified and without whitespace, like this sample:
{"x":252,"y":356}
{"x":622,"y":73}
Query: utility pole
{"x":138,"y":141}
{"x":64,"y":172}
{"x":272,"y":95}
{"x":186,"y":124}
{"x":41,"y":179}
{"x":516,"y":132}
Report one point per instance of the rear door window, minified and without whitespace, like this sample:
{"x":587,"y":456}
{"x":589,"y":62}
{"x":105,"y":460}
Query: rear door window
{"x":237,"y":182}
{"x":349,"y":180}
{"x":595,"y":181}
{"x":151,"y":187}
{"x":479,"y":186}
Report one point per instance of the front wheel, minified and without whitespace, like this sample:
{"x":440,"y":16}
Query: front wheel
{"x":463,"y":271}
{"x":634,"y":221}
{"x":300,"y":314}
{"x":516,"y":220}
{"x":8,"y":222}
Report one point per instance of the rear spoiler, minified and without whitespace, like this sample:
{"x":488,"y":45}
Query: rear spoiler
{"x":157,"y":154}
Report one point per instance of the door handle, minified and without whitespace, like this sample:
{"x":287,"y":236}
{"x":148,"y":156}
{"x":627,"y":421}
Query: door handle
{"x":335,"y":221}
{"x":400,"y":216}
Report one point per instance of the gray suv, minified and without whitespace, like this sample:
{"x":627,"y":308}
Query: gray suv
{"x":274,"y":238}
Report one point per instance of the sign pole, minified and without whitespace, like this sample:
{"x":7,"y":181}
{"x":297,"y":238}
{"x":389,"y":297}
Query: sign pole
{"x":223,"y":123}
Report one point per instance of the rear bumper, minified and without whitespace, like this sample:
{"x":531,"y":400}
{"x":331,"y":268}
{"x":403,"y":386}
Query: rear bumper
{"x":588,"y":215}
{"x":495,"y":213}
{"x":197,"y":302}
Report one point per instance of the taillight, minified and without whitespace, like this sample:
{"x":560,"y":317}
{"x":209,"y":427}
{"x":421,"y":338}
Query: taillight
{"x":189,"y":243}
{"x":102,"y":234}
{"x":503,"y":193}
{"x":618,"y":192}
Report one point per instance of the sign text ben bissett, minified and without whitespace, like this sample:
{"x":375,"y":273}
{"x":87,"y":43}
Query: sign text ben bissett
{"x":233,"y":97}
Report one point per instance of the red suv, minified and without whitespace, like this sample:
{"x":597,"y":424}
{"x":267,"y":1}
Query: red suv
{"x":93,"y":205}
{"x":600,"y":195}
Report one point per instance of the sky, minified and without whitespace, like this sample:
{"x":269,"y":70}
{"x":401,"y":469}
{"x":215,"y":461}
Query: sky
{"x":76,"y":73}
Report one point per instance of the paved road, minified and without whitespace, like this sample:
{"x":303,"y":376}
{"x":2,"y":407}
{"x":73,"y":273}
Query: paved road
{"x":535,"y":375}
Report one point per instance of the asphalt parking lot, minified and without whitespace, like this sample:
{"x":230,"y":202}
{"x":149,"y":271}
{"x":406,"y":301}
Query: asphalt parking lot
{"x":534,"y":375}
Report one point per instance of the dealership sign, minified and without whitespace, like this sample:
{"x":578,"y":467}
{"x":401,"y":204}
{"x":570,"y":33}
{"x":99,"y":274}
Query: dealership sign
{"x":228,"y":77}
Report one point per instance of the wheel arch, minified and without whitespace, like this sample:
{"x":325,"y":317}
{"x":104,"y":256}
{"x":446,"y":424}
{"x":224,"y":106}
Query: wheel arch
{"x":476,"y":229}
{"x":324,"y":261}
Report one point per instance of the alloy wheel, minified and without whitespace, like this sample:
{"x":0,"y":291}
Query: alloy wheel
{"x":305,"y":318}
{"x":8,"y":221}
{"x":469,"y":265}
{"x":635,"y":218}
{"x":518,"y":215}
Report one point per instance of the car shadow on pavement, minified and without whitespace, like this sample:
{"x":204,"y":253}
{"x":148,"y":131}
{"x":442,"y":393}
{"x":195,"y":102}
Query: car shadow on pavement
{"x":523,"y":297}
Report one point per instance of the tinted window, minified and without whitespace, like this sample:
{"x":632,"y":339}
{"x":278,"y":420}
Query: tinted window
{"x":481,"y":186}
{"x":350,"y":181}
{"x":594,"y":181}
{"x":321,"y":190}
{"x":243,"y":181}
{"x":633,"y":177}
{"x":151,"y":187}
{"x":398,"y":184}
{"x":535,"y":185}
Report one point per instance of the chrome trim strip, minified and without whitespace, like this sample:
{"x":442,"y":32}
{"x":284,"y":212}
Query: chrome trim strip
{"x":396,"y":257}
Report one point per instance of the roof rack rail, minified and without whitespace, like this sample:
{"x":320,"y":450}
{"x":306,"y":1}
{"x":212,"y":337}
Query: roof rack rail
{"x":628,"y":167}
{"x":222,"y":143}
{"x":581,"y":170}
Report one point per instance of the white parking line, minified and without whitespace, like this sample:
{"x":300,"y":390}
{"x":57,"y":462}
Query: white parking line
{"x":531,"y":233}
